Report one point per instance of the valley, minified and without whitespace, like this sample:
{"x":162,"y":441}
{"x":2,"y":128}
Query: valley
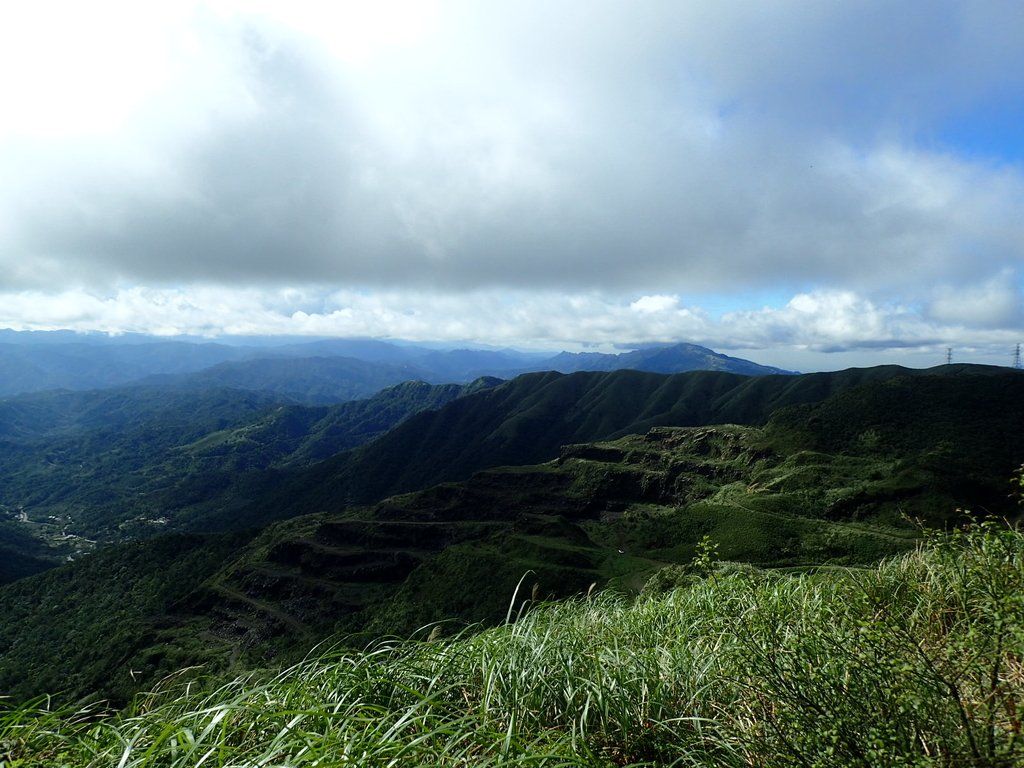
{"x":155,"y":526}
{"x":478,"y":499}
{"x":200,"y":530}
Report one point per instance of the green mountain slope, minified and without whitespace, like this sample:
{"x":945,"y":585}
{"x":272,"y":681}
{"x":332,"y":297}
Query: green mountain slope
{"x":528,"y":419}
{"x":114,"y":463}
{"x":84,"y":462}
{"x":818,"y":483}
{"x":22,"y":554}
{"x":80,"y":628}
{"x":913,"y":663}
{"x":295,"y":436}
{"x":607,"y":513}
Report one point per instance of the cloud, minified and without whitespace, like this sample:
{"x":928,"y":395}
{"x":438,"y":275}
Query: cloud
{"x":830,"y":320}
{"x":998,"y":303}
{"x":811,"y":331}
{"x":650,"y":305}
{"x":446,"y":151}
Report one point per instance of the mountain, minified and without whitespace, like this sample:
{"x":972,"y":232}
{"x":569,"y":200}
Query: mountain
{"x":445,"y":364}
{"x":79,"y":466}
{"x":676,"y":358}
{"x":315,"y":372}
{"x":528,"y":419}
{"x":87,"y":619}
{"x":33,"y":367}
{"x":309,"y":380}
{"x":134,"y":462}
{"x":323,"y":380}
{"x":830,"y":480}
{"x":116,"y":463}
{"x":818,"y":483}
{"x":296,"y":436}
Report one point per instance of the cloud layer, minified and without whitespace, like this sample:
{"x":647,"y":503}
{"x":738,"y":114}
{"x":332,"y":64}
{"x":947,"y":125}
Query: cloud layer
{"x":621,"y":160}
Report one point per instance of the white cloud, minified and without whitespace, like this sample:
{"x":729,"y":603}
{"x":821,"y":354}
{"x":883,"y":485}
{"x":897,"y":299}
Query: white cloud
{"x":835,"y":325}
{"x":418,"y":161}
{"x":997,"y":303}
{"x":829,"y":320}
{"x":653,"y":304}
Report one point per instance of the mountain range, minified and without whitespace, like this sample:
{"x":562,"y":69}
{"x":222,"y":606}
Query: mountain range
{"x":313,"y":372}
{"x":234,"y":528}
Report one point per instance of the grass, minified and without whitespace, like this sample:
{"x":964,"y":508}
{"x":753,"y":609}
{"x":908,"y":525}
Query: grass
{"x":918,"y":662}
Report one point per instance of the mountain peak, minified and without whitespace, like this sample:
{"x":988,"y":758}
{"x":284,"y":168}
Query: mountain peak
{"x":663,"y":358}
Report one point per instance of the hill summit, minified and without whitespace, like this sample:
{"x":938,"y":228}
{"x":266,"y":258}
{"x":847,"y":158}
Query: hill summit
{"x":669,"y":358}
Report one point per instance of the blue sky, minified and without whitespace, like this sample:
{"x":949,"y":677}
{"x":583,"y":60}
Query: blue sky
{"x":811,"y":185}
{"x":989,"y":132}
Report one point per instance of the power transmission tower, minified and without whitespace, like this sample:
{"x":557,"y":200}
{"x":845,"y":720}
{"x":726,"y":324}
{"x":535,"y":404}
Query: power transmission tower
{"x":1016,"y":358}
{"x":949,"y":355}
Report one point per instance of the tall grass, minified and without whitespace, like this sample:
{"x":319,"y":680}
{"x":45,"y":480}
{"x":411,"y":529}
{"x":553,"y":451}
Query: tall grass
{"x":919,"y":662}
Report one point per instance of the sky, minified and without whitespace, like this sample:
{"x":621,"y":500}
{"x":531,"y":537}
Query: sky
{"x":811,"y":185}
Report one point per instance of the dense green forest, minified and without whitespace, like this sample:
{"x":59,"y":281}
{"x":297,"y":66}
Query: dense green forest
{"x":163,"y":537}
{"x":119,"y":463}
{"x":837,"y":470}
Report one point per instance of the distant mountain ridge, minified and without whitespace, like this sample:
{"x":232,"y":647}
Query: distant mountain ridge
{"x":310,"y":380}
{"x":314,"y":372}
{"x":674,"y":358}
{"x":35,"y":367}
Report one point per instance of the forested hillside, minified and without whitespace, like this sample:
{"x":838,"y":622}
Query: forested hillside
{"x":115,"y":464}
{"x":842,"y":481}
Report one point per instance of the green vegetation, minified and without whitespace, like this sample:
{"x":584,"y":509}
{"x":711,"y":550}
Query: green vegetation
{"x":914,"y":663}
{"x":107,"y":622}
{"x":828,"y":479}
{"x":137,"y":462}
{"x":607,"y":514}
{"x":529,"y":419}
{"x":133,"y":462}
{"x":21,"y":554}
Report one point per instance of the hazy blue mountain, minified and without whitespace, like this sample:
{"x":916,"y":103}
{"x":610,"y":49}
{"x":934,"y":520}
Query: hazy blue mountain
{"x":443,"y":365}
{"x":40,"y":417}
{"x":316,"y":371}
{"x":311,"y":380}
{"x":33,"y":367}
{"x":331,"y":370}
{"x":675,"y":358}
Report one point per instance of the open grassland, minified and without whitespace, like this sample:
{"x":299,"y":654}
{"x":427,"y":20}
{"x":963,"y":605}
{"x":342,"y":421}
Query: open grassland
{"x":918,"y":662}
